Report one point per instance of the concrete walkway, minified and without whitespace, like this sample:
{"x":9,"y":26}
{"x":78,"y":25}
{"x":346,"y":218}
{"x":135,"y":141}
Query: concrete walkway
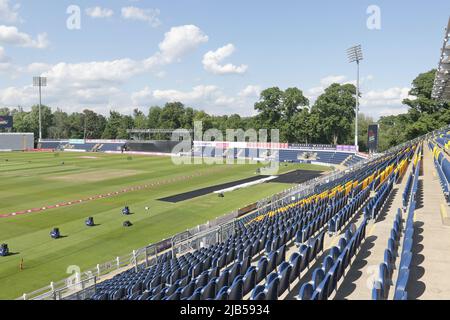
{"x":429,"y":277}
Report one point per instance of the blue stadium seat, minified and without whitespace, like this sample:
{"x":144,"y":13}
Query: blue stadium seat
{"x":306,"y":291}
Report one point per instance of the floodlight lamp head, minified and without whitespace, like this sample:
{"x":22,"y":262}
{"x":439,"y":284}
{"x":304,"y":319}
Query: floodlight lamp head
{"x":355,"y":54}
{"x":39,"y":81}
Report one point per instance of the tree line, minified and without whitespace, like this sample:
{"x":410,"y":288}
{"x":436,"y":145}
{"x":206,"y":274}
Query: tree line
{"x":329,"y":120}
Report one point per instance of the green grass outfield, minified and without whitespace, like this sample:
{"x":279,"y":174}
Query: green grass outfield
{"x":34,"y":180}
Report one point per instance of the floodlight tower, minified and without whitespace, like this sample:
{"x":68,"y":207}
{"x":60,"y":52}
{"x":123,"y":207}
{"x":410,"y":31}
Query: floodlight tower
{"x":40,"y":82}
{"x":355,"y":55}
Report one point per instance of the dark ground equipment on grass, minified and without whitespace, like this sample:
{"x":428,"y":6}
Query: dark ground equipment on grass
{"x":221,"y":195}
{"x":4,"y":251}
{"x":127,"y":224}
{"x":55,"y":234}
{"x":90,"y":222}
{"x":126,"y":211}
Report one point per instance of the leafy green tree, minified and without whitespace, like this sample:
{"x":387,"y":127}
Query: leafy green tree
{"x":269,"y":107}
{"x":336,"y":108}
{"x":139,"y":119}
{"x":188,"y":118}
{"x":277,"y":110}
{"x":363,"y":129}
{"x":154,"y":117}
{"x":60,"y":126}
{"x":422,"y":87}
{"x":5,"y":112}
{"x":112,"y":126}
{"x":303,"y":127}
{"x":293,"y":101}
{"x":32,"y":121}
{"x":171,"y":115}
{"x":76,"y":123}
{"x":94,"y":123}
{"x":22,"y":121}
{"x":205,"y":118}
{"x":392,"y":131}
{"x":234,"y":122}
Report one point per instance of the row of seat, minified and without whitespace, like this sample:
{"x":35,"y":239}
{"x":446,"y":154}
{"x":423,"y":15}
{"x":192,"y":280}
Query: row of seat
{"x":282,"y":155}
{"x":279,"y":281}
{"x":353,"y":160}
{"x":340,"y":220}
{"x":406,"y":192}
{"x":408,"y":240}
{"x":442,"y":166}
{"x":235,"y":284}
{"x":383,"y":282}
{"x":375,"y":204}
{"x":325,"y":279}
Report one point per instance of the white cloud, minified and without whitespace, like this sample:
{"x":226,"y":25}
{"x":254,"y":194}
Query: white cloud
{"x":147,"y":15}
{"x":375,"y":103}
{"x":197,"y":94}
{"x":6,"y":67}
{"x":385,"y":102}
{"x":11,"y":35}
{"x":36,"y":68}
{"x":101,"y":99}
{"x":8,"y":13}
{"x":142,"y":97}
{"x":177,"y":42}
{"x":207,"y":92}
{"x":99,"y":12}
{"x":94,"y":73}
{"x":327,"y":81}
{"x":13,"y":96}
{"x":161,"y":74}
{"x":212,"y":61}
{"x":97,"y":84}
{"x":250,"y":91}
{"x":3,"y":57}
{"x":210,"y":98}
{"x":390,"y":96}
{"x":313,"y":93}
{"x":15,"y":71}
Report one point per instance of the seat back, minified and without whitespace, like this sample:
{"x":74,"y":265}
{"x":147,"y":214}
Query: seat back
{"x":305,"y":292}
{"x":236,"y":290}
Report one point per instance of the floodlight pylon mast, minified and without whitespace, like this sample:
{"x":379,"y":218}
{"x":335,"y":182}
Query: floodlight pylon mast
{"x":40,"y":82}
{"x":355,"y":55}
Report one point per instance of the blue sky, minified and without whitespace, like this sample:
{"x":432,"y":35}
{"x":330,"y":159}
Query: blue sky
{"x":212,"y":55}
